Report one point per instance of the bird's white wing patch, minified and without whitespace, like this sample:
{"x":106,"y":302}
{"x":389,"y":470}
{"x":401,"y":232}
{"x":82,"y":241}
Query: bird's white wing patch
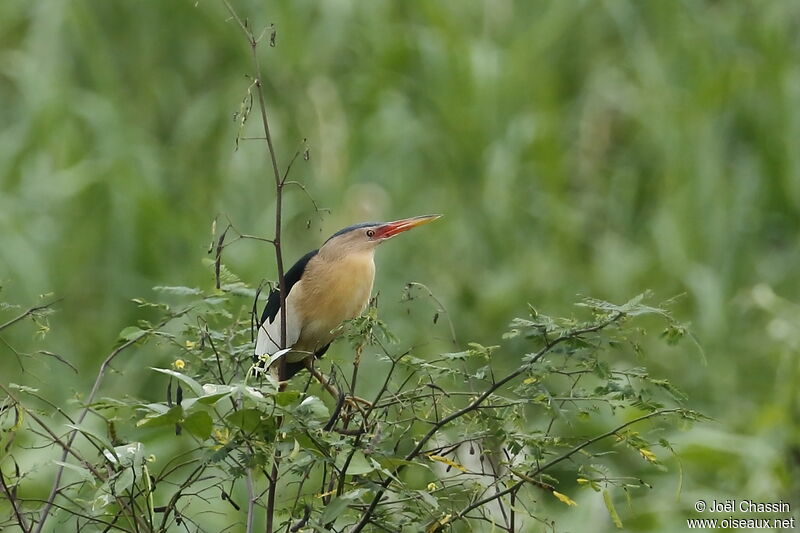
{"x":269,"y":334}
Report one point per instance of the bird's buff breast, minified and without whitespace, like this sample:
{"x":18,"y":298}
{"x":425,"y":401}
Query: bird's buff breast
{"x":332,"y":292}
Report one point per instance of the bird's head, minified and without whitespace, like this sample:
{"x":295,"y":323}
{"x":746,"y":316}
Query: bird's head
{"x":365,"y":237}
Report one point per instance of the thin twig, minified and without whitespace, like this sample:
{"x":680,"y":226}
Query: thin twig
{"x":302,"y":187}
{"x":251,"y":501}
{"x":560,"y":458}
{"x":441,"y":308}
{"x":109,"y":525}
{"x":475,"y":404}
{"x":89,"y":400}
{"x":276,"y":241}
{"x":30,"y":312}
{"x":23,"y":524}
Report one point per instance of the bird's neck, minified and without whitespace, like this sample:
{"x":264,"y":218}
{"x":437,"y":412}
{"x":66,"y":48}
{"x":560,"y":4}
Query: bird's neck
{"x":334,"y":255}
{"x":334,"y":290}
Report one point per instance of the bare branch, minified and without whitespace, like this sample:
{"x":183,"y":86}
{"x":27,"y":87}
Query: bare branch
{"x":30,"y":312}
{"x":23,"y":524}
{"x":276,"y":241}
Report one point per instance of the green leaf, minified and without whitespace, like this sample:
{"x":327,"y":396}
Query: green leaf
{"x":22,"y":388}
{"x":126,"y":455}
{"x":121,"y":481}
{"x":479,"y":350}
{"x":170,"y":418}
{"x":102,"y":500}
{"x":177,"y":290}
{"x":287,"y":397}
{"x":214,"y":393}
{"x":222,"y":453}
{"x":394,"y":462}
{"x":214,"y":388}
{"x":225,"y":275}
{"x":91,"y":435}
{"x":428,"y":498}
{"x":611,"y":509}
{"x":130,"y":333}
{"x":244,"y":391}
{"x":358,"y":466}
{"x":338,"y":505}
{"x":199,"y":424}
{"x":335,"y":508}
{"x":269,"y":429}
{"x":196,"y":388}
{"x":274,"y":357}
{"x":211,"y":399}
{"x":313,"y":407}
{"x":159,"y":408}
{"x":295,"y":451}
{"x":83,"y":472}
{"x":144,"y":303}
{"x":248,"y":420}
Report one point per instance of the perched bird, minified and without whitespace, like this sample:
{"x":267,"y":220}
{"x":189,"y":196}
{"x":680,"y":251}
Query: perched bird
{"x":323,"y":289}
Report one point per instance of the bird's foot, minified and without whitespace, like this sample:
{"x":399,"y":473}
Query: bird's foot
{"x":354,"y":402}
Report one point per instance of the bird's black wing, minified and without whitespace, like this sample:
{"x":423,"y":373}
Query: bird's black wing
{"x":291,"y":277}
{"x":294,"y":368}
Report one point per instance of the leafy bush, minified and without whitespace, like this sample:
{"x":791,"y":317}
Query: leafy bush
{"x":442,"y":440}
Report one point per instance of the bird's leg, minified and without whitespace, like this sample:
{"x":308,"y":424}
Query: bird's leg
{"x":330,"y":387}
{"x":319,"y":376}
{"x":362,"y":401}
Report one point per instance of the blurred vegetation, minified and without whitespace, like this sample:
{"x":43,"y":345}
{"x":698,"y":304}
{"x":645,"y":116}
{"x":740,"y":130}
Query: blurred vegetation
{"x":593,"y":148}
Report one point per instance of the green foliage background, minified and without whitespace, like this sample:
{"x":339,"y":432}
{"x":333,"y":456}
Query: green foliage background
{"x":594,"y":148}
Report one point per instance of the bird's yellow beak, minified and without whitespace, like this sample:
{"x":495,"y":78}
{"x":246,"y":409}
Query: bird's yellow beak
{"x":390,"y":229}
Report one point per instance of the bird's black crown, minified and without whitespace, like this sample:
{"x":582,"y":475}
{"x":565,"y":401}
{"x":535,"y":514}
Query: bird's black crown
{"x":353,"y":227}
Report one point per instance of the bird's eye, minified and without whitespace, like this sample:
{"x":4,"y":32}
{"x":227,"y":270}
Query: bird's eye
{"x":370,"y":232}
